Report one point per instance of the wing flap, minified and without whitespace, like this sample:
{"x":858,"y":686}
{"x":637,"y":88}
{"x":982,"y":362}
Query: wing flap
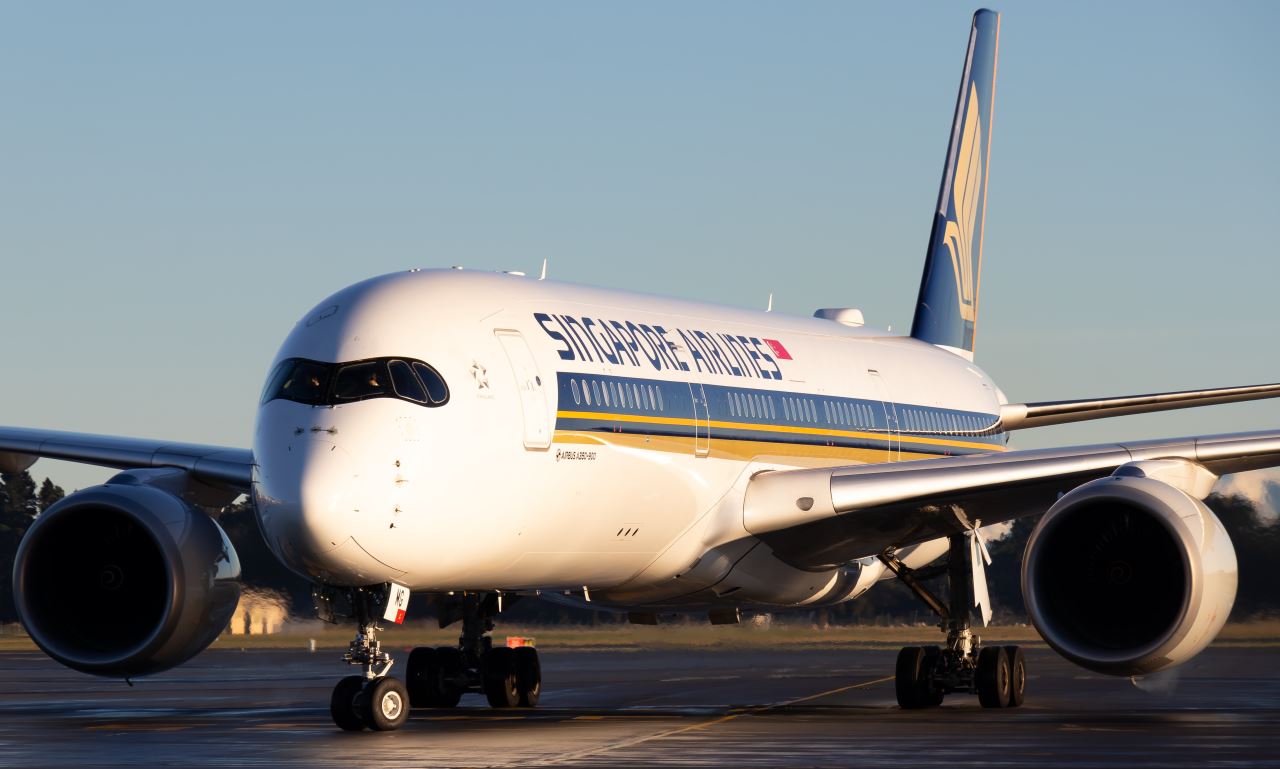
{"x":229,"y":467}
{"x":820,"y":518}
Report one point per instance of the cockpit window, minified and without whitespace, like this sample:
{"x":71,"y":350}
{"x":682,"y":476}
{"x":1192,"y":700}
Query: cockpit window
{"x":435,"y":385}
{"x":406,"y":384}
{"x":327,"y":384}
{"x":303,"y":381}
{"x":357,"y":381}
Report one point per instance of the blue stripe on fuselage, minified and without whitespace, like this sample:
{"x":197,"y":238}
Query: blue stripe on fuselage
{"x":614,"y":404}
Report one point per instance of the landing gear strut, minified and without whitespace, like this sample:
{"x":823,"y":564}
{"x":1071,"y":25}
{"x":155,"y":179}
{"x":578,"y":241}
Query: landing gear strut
{"x":925,"y":674}
{"x":373,"y":700}
{"x":438,"y":677}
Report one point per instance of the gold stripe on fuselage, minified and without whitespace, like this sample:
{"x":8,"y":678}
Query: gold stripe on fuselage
{"x":728,"y":448}
{"x":815,"y":431}
{"x":742,"y":451}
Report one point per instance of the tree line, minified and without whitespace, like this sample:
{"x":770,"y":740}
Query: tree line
{"x":20,"y":503}
{"x":1254,"y":531}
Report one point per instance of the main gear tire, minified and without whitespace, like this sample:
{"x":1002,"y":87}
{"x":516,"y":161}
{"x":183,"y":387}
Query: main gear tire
{"x":911,"y":678}
{"x":451,"y":677}
{"x":499,"y":679}
{"x":1017,"y":675}
{"x":528,"y":675}
{"x":992,"y":678}
{"x":422,"y":678}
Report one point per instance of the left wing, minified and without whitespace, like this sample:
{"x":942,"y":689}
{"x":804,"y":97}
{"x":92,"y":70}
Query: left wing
{"x":216,"y":465}
{"x":824,"y":517}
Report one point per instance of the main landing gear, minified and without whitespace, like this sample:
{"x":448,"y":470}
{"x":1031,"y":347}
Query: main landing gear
{"x":925,"y":674}
{"x":436,"y":677}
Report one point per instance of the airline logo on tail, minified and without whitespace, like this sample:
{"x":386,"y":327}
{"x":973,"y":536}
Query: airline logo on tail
{"x":962,"y":214}
{"x":947,"y":309}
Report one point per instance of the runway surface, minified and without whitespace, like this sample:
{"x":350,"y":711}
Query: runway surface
{"x":785,"y":707}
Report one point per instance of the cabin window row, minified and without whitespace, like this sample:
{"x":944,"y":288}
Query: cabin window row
{"x":617,"y":395}
{"x":924,"y":421}
{"x":799,"y":410}
{"x":849,"y":414}
{"x":762,"y":406}
{"x":612,"y":394}
{"x":748,"y":405}
{"x":752,"y":405}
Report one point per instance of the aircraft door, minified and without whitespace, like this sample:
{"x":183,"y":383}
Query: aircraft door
{"x":701,"y":420}
{"x":890,"y":410}
{"x":533,"y":392}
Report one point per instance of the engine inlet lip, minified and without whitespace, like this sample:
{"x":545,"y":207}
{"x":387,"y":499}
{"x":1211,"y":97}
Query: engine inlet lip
{"x":95,"y":501}
{"x":1130,"y":494}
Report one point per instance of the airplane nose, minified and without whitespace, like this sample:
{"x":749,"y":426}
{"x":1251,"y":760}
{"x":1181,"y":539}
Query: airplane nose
{"x":326,"y":477}
{"x":302,"y":498}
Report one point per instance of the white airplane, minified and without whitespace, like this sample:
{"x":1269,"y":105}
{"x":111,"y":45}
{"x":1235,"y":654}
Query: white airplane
{"x":485,"y":437}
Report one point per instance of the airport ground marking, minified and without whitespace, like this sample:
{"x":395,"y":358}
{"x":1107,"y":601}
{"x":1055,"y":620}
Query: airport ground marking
{"x":748,"y":711}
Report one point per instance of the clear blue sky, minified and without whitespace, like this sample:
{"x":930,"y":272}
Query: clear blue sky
{"x":178,"y":184}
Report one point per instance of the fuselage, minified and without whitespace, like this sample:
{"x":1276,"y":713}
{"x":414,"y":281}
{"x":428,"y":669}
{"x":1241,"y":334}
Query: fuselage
{"x":588,"y":438}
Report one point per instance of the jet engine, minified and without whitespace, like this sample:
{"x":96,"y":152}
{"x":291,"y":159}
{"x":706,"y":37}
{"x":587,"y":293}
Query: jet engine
{"x":1128,"y":575}
{"x":125,"y":579}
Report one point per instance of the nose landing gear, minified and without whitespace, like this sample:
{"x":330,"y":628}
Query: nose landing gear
{"x":373,"y":700}
{"x":925,"y":674}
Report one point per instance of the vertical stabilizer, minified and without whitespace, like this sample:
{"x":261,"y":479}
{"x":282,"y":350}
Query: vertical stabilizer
{"x":947,"y":309}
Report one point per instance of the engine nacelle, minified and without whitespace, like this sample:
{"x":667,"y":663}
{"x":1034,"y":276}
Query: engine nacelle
{"x":1128,"y":575}
{"x":125,"y":579}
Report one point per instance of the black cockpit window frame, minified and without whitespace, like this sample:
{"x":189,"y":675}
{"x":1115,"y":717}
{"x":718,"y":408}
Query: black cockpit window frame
{"x":319,"y":383}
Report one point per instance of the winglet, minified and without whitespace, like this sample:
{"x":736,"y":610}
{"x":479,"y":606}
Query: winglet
{"x":947,"y":308}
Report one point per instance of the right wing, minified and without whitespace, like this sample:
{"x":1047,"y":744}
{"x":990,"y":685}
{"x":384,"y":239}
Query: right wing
{"x":824,"y":517}
{"x":217,"y":465}
{"x":1020,"y":416}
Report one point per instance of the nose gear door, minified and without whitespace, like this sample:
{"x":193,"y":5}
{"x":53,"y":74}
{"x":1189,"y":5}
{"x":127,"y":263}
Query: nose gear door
{"x":533,"y":393}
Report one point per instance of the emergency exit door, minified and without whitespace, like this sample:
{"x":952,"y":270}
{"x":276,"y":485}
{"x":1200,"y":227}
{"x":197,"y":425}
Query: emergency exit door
{"x":893,"y":434}
{"x":531,"y":388}
{"x":701,"y":421}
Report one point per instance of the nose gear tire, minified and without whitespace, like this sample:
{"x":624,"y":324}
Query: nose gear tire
{"x":385,"y":704}
{"x":345,"y":704}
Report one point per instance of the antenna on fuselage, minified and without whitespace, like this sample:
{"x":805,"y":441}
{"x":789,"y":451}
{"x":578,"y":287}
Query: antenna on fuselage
{"x":769,"y":307}
{"x":543,"y":274}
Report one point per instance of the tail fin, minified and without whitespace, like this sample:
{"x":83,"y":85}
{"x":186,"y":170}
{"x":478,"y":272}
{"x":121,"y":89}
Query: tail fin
{"x":947,"y":309}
